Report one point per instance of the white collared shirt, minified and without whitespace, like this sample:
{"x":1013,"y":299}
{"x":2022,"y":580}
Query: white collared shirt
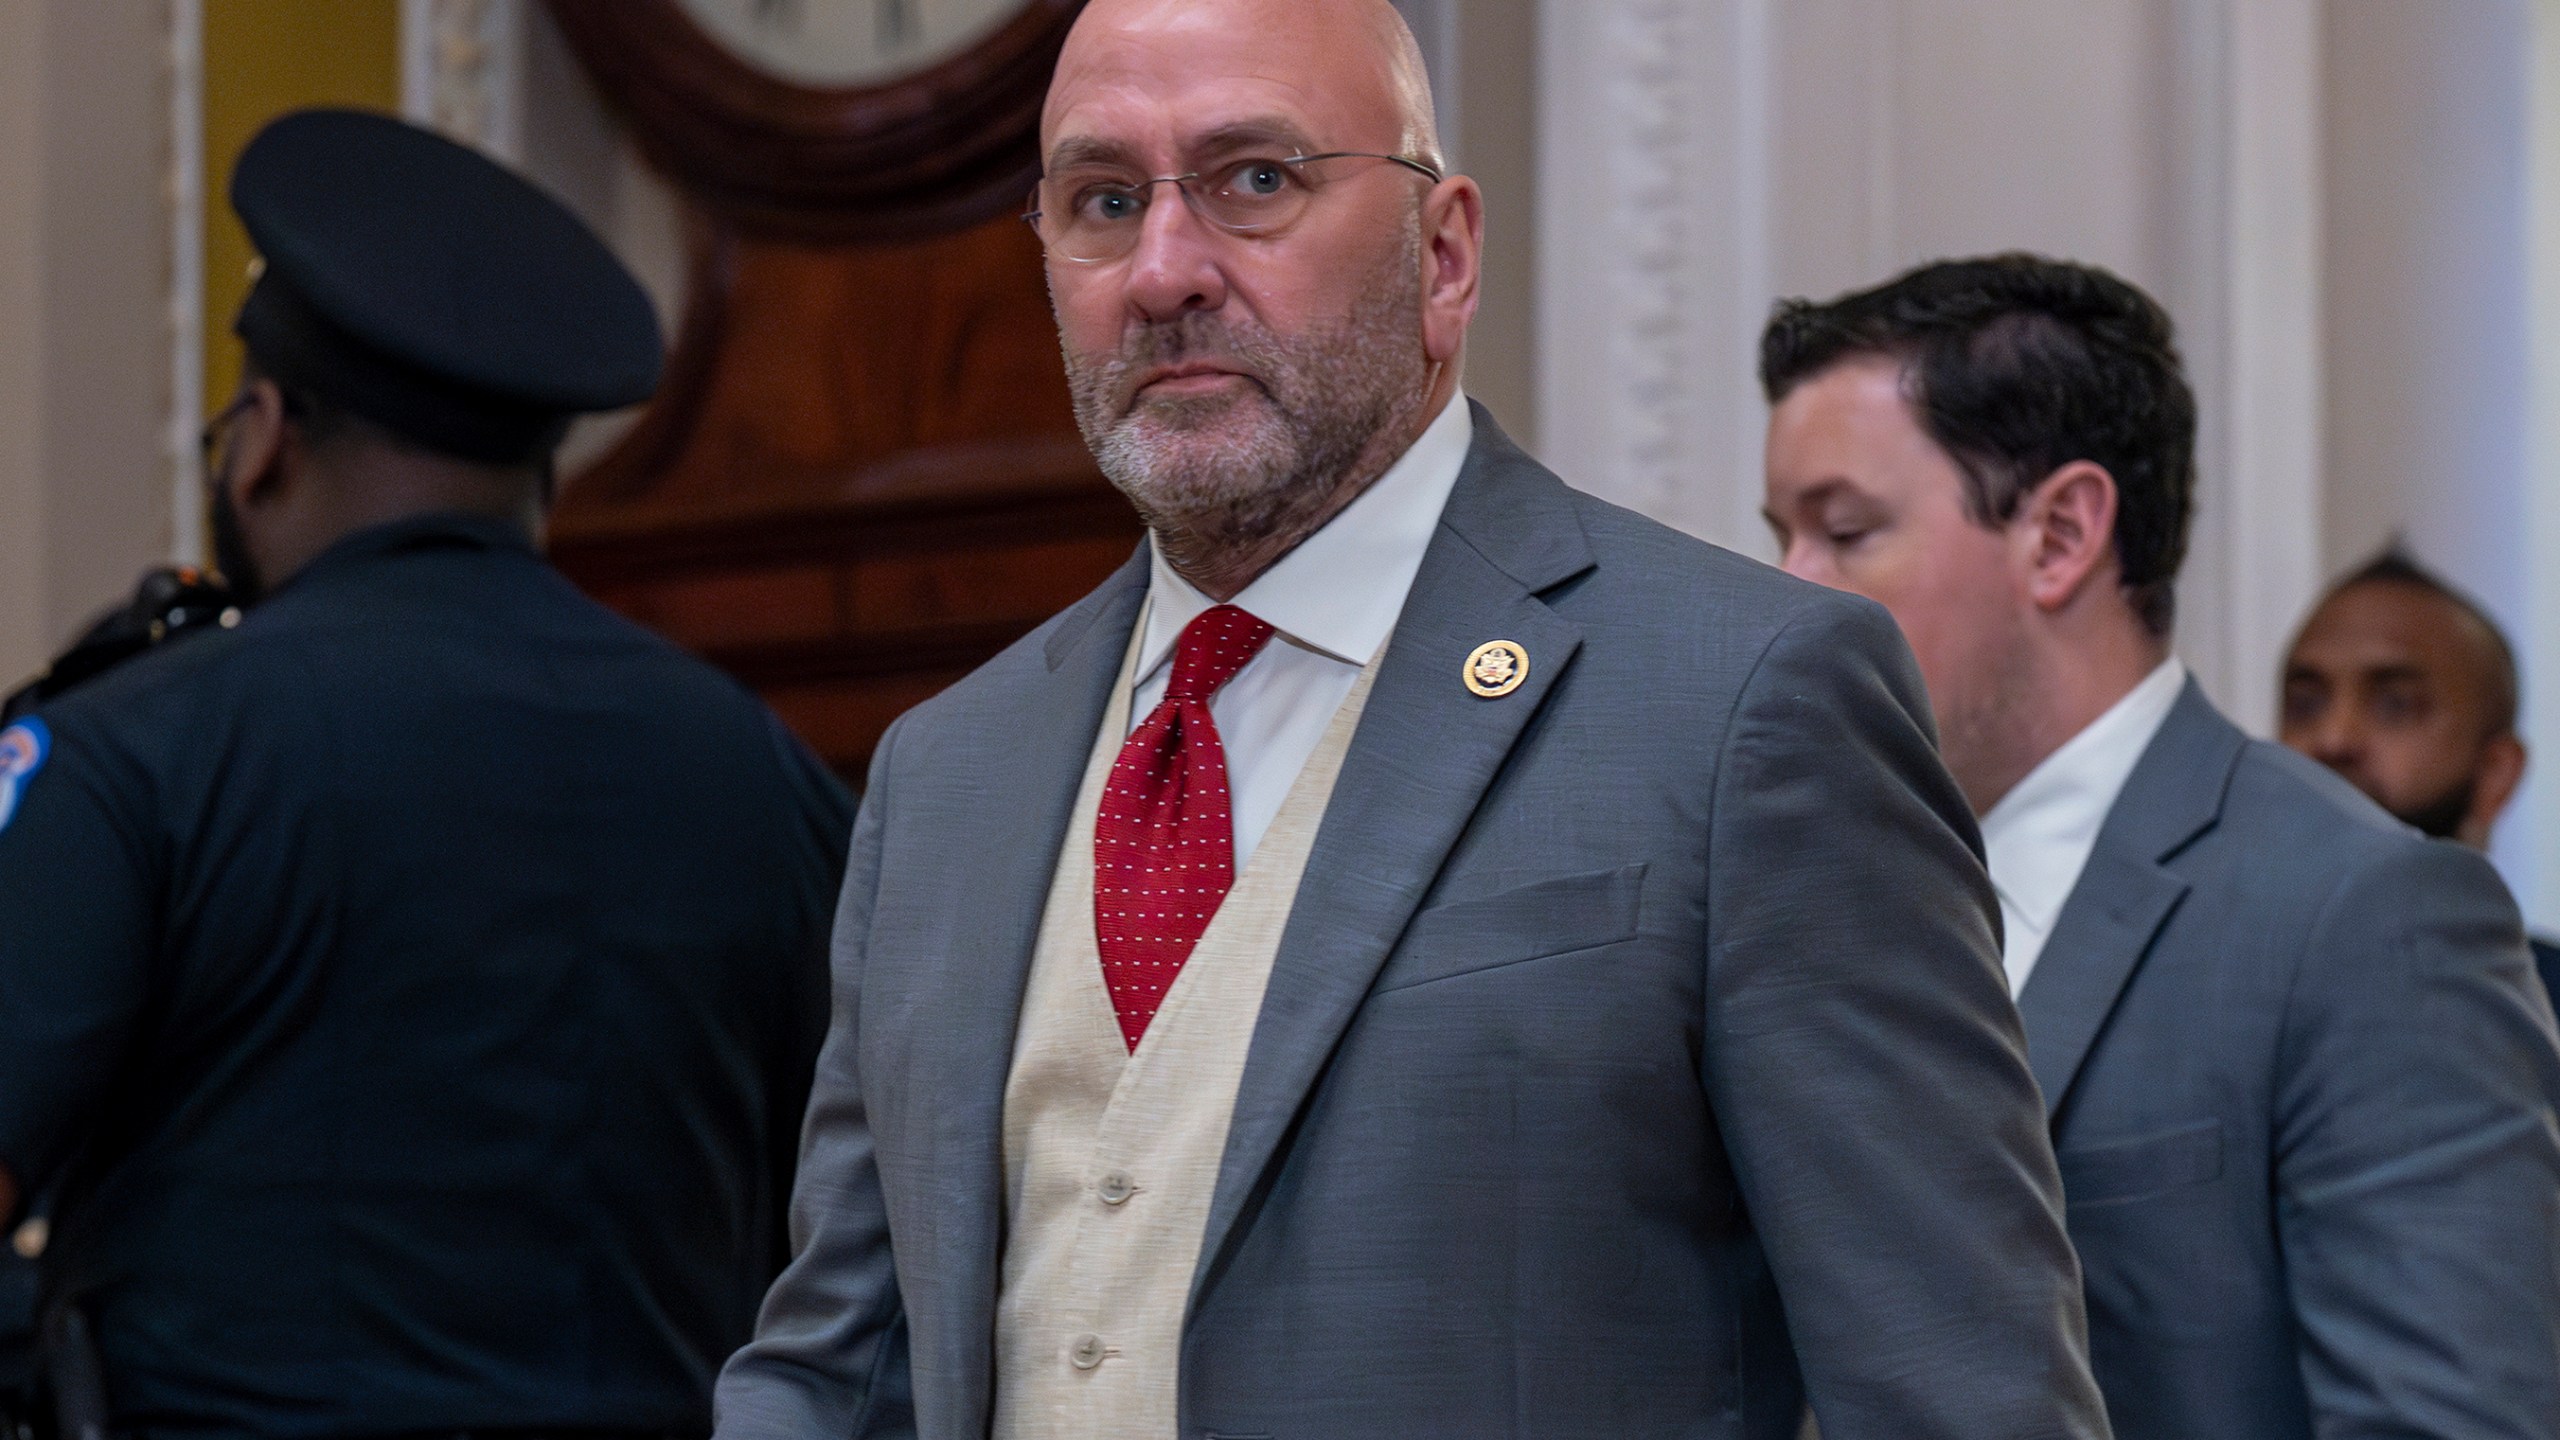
{"x":1334,"y":601}
{"x":2039,"y":836}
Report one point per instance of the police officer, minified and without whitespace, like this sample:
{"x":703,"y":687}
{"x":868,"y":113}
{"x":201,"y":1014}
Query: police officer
{"x":172,"y":603}
{"x":408,"y":995}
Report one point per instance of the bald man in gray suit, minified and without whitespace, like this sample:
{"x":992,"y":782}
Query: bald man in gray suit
{"x":1420,"y":952}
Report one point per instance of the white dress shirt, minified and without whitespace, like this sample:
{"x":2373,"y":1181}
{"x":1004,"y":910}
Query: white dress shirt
{"x":1334,"y":601}
{"x":2040,"y":834}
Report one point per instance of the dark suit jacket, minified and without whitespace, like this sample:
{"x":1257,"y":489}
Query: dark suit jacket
{"x":2300,"y":1078}
{"x":1611,"y":1013}
{"x":2546,"y":959}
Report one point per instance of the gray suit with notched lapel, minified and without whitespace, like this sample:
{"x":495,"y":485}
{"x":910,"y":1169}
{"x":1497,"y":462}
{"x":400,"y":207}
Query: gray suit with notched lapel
{"x":1611,"y":1013}
{"x":2302,"y":1081}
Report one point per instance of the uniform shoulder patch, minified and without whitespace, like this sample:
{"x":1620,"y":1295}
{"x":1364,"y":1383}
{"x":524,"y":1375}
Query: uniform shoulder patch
{"x":23,"y":749}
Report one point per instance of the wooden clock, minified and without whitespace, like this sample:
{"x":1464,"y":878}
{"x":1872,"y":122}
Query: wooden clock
{"x":862,"y":476}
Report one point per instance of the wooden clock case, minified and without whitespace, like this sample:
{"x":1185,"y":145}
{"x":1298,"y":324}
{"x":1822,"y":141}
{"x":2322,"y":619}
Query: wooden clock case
{"x":862,"y":476}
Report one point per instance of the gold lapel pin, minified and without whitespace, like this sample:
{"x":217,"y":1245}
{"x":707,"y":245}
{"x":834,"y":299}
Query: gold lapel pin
{"x":1497,"y":668}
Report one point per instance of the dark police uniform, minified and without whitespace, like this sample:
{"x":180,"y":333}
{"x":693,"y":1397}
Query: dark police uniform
{"x":412,"y":991}
{"x":172,"y":603}
{"x":17,"y":1334}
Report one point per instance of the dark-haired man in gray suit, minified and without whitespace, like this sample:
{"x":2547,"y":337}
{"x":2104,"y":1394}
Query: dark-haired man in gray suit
{"x":2299,"y":1071}
{"x":1420,"y":952}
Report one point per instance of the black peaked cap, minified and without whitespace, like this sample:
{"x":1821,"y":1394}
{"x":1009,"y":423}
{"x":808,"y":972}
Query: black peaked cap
{"x":425,"y":287}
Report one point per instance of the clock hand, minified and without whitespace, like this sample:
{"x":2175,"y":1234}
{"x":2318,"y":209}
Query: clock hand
{"x":894,"y":22}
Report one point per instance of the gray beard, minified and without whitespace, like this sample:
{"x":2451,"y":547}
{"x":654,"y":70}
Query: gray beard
{"x":1214,"y":474}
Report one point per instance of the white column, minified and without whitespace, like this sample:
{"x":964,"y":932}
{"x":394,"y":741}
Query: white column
{"x":186,"y":201}
{"x":1654,"y":226}
{"x":2253,"y":314}
{"x":461,"y":64}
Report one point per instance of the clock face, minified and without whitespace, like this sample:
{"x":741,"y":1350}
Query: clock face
{"x":833,"y":44}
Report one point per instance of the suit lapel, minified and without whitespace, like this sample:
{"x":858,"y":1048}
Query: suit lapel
{"x":2104,"y":931}
{"x":2126,"y":893}
{"x":1426,"y":751}
{"x":994,"y":831}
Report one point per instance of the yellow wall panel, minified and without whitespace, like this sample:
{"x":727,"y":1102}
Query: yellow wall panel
{"x":261,"y":59}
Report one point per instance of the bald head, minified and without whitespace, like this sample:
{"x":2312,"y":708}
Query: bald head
{"x":1354,"y":60}
{"x":1263,"y":276}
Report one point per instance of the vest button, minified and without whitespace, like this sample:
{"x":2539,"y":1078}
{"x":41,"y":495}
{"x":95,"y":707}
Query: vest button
{"x":1086,"y":1352}
{"x":1115,"y":1188}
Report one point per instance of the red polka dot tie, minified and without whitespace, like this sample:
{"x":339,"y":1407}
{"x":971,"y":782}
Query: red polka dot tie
{"x":1164,"y":841}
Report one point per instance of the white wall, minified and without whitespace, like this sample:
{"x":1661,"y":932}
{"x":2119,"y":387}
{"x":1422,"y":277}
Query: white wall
{"x":84,"y":314}
{"x":23,"y":536}
{"x":2539,"y":641}
{"x":2428,"y":123}
{"x":1484,"y":71}
{"x":2428,"y":336}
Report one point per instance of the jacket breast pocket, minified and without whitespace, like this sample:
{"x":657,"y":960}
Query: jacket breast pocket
{"x":2117,"y":1172}
{"x":1513,"y":927}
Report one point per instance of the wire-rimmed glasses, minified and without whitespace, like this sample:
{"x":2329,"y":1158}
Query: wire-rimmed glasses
{"x":1094,"y":217}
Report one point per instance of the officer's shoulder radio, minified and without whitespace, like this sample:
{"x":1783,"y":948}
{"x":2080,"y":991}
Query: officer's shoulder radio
{"x":171,"y":603}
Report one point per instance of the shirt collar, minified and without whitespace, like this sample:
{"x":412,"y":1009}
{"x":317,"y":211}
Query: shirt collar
{"x":1341,"y":590}
{"x":436,"y":529}
{"x":2038,"y":837}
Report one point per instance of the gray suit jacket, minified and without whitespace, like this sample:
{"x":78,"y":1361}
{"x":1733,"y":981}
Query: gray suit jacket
{"x":1611,"y":1013}
{"x":2302,"y":1081}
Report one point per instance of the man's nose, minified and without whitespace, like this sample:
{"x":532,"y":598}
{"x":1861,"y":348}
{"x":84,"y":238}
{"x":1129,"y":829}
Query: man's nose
{"x":1177,"y":266}
{"x":2335,"y":738}
{"x":1803,"y":561}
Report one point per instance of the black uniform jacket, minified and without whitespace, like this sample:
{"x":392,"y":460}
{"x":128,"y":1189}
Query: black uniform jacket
{"x":416,"y":989}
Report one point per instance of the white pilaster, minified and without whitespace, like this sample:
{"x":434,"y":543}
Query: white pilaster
{"x":186,"y":200}
{"x":460,"y":68}
{"x":2256,"y":187}
{"x":1652,"y":241}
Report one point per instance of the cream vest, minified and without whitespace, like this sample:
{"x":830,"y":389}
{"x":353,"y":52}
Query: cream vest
{"x":1111,"y":1158}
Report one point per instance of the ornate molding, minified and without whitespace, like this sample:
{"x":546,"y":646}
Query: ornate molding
{"x":1654,"y":260}
{"x":1657,"y":171}
{"x":461,"y":70}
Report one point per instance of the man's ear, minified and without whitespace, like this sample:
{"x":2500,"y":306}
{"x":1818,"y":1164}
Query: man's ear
{"x":2069,"y":523}
{"x":255,"y":472}
{"x":1452,"y":265}
{"x":2501,"y":770}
